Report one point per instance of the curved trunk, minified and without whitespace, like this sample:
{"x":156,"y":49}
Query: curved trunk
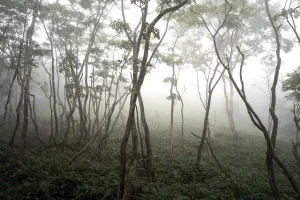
{"x":69,"y":117}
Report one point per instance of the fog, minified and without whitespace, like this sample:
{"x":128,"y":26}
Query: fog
{"x":149,"y":99}
{"x":155,"y":93}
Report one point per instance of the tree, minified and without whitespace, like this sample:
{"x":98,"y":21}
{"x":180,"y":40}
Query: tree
{"x":172,"y":60}
{"x":28,"y":65}
{"x":21,"y":52}
{"x":292,"y":86}
{"x":270,"y":139}
{"x":204,"y":62}
{"x":290,"y":13}
{"x":13,"y":35}
{"x":142,"y":32}
{"x":77,"y":42}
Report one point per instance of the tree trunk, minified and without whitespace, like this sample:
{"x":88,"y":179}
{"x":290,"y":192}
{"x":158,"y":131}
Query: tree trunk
{"x":18,"y":119}
{"x":172,"y":112}
{"x":83,"y":129}
{"x":16,"y":74}
{"x":229,"y":107}
{"x":137,"y":81}
{"x":141,"y":138}
{"x":9,"y":94}
{"x":25,"y":113}
{"x":69,"y":118}
{"x":33,"y":118}
{"x":53,"y":86}
{"x":181,"y":110}
{"x":129,"y":123}
{"x":205,"y":125}
{"x":147,"y":141}
{"x":295,"y":152}
{"x":134,"y":142}
{"x":27,"y":80}
{"x":271,"y":174}
{"x":269,"y":158}
{"x":26,"y":102}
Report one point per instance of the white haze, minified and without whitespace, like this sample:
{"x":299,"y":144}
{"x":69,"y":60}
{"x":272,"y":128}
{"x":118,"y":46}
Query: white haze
{"x":154,"y":91}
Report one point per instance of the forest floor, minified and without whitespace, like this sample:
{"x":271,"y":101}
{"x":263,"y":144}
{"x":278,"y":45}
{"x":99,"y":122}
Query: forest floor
{"x":47,"y":173}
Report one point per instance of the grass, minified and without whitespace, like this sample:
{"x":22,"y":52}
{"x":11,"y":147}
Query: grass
{"x":94,"y":175}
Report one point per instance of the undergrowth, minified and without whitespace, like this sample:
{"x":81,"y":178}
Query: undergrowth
{"x":47,"y":173}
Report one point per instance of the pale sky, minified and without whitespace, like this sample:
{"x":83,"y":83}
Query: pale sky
{"x":155,"y":91}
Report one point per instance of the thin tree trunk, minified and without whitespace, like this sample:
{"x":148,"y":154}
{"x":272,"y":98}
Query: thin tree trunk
{"x":25,"y":113}
{"x":269,"y":159}
{"x":119,"y":113}
{"x":179,"y":96}
{"x":137,"y":81}
{"x":53,"y":83}
{"x":61,"y":104}
{"x":229,"y":107}
{"x":141,"y":138}
{"x":134,"y":142}
{"x":14,"y":77}
{"x":33,"y":119}
{"x":50,"y":101}
{"x":129,"y":123}
{"x":295,"y":152}
{"x":205,"y":125}
{"x":83,"y":129}
{"x":172,"y":111}
{"x":68,"y":119}
{"x":210,"y":89}
{"x":9,"y":96}
{"x":147,"y":140}
{"x":18,"y":119}
{"x":27,"y":80}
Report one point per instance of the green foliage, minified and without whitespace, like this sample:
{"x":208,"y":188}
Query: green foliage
{"x":292,"y":85}
{"x":232,"y":21}
{"x":156,"y":33}
{"x":167,"y":2}
{"x":86,"y":4}
{"x":122,"y":44}
{"x":120,"y":27}
{"x":170,"y":80}
{"x":284,"y":13}
{"x":123,"y":79}
{"x":69,"y":63}
{"x":172,"y":97}
{"x":48,"y":175}
{"x":171,"y":59}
